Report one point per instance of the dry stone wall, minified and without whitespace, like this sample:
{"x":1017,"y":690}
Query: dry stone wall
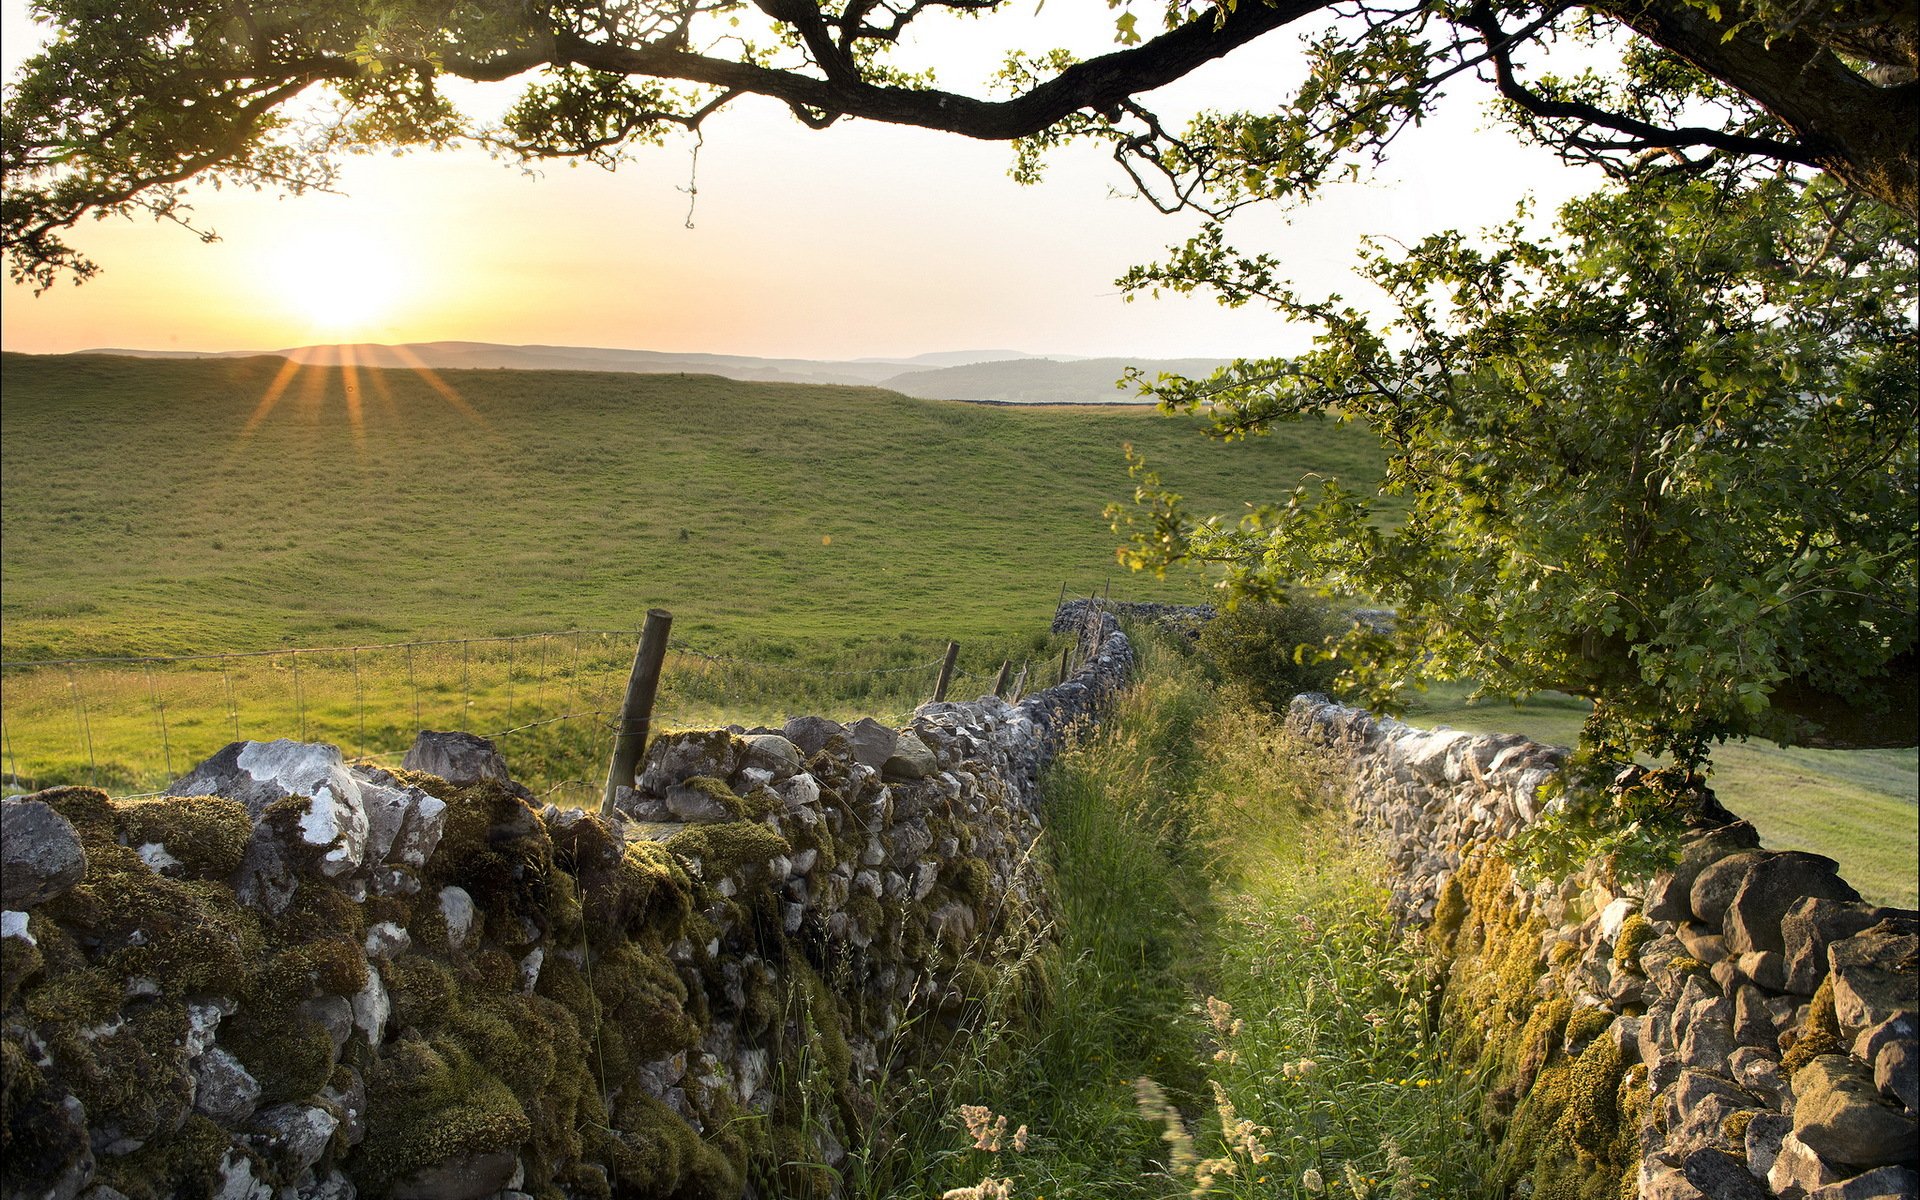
{"x":1743,"y":1027}
{"x":302,"y":978}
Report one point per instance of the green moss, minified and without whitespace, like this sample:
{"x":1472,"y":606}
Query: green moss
{"x":640,"y":992}
{"x":421,"y":991}
{"x":1734,"y":1128}
{"x":495,"y":847}
{"x":971,"y":879}
{"x":755,"y":806}
{"x":1819,"y":1032}
{"x":1585,"y":1024}
{"x":866,"y":912}
{"x":1563,"y":955}
{"x":1449,"y":912}
{"x":650,"y":1151}
{"x":1593,"y":1114}
{"x":185,"y":1163}
{"x":1635,"y":932}
{"x":729,"y":848}
{"x":289,"y":1054}
{"x":20,"y":960}
{"x":428,"y":1102}
{"x":206,"y":834}
{"x":38,"y":1139}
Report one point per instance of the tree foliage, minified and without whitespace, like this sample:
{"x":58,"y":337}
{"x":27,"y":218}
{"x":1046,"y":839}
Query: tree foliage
{"x":1664,"y":459}
{"x":132,"y":101}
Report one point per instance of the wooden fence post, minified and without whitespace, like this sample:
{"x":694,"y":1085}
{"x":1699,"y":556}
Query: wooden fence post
{"x":1019,"y":685}
{"x":636,"y":712}
{"x":1000,"y":684}
{"x":1064,"y":652}
{"x":946,"y":672}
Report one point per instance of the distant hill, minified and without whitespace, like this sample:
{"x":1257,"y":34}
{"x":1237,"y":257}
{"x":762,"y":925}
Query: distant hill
{"x":442,"y":356}
{"x":1042,"y":380}
{"x":1000,"y":376}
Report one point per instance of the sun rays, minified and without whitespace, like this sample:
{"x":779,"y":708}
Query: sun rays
{"x":350,"y":372}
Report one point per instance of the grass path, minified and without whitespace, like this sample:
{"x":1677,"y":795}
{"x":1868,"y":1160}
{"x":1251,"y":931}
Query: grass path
{"x":1221,"y":941}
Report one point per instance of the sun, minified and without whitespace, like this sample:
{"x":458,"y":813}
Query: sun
{"x":342,"y":282}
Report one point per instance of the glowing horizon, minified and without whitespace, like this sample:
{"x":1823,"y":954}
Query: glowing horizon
{"x":860,"y":241}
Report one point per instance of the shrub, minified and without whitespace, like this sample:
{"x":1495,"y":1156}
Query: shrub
{"x":1276,"y":649}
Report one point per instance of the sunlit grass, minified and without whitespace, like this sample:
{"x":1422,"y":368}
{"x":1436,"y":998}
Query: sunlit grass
{"x":1216,"y":928}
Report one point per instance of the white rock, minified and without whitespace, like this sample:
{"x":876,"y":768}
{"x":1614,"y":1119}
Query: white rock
{"x":457,"y":907}
{"x":155,"y":855}
{"x":13,"y":924}
{"x":530,"y":969}
{"x":371,"y":1008}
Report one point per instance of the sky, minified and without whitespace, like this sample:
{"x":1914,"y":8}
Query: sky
{"x":864,"y":240}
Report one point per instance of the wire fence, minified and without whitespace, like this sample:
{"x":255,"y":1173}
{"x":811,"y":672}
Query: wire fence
{"x":549,"y":700}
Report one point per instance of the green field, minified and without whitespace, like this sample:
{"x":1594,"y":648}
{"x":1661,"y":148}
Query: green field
{"x":152,"y":507}
{"x":828,"y":541}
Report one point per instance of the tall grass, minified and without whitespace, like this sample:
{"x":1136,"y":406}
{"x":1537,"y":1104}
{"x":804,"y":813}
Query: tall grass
{"x":1234,"y":1012}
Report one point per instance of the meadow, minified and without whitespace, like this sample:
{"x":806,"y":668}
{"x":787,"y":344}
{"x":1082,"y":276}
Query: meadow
{"x":172,"y":507}
{"x":817,"y":546}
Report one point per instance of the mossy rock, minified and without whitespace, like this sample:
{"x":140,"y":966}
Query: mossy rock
{"x":650,"y":1151}
{"x":969,"y":878}
{"x":495,"y":847}
{"x":39,"y":1137}
{"x":20,"y":961}
{"x":640,"y":992}
{"x":206,"y":835}
{"x":1584,"y":1025}
{"x":421,"y":991}
{"x":1635,"y":932}
{"x":429,"y":1102}
{"x":729,"y":848}
{"x":187,"y":1162}
{"x":1819,"y":1032}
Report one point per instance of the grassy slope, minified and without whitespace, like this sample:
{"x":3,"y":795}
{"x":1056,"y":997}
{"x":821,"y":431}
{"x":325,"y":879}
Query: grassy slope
{"x":143,"y":516}
{"x":1858,"y":807}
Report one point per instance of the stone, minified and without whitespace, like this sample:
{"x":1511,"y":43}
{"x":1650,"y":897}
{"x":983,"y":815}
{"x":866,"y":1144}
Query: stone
{"x":810,"y":734}
{"x":237,"y":1180}
{"x":223,"y":1090}
{"x":1667,"y":898}
{"x":1876,"y":973}
{"x":677,"y":757}
{"x":292,"y":1136}
{"x":1668,"y":1183}
{"x":372,"y":1007}
{"x":1839,"y":1114}
{"x":1698,"y":1105}
{"x":692,"y":805}
{"x":386,"y":940}
{"x":1765,"y":1132}
{"x":1809,"y":927}
{"x":1701,"y":942}
{"x":1721,"y":1176}
{"x":776,"y":755}
{"x":1758,"y":1071}
{"x":332,"y":1186}
{"x":335,"y":1015}
{"x":1884,"y":1183}
{"x":1752,"y":1023}
{"x":1709,"y":1039}
{"x":40,"y":854}
{"x":403,"y":823}
{"x":1771,"y":887}
{"x":1797,"y":1167}
{"x":1891,"y":1049}
{"x":468,"y":1177}
{"x":259,"y":773}
{"x":1768,"y":968}
{"x":1717,"y":884}
{"x":459,"y":758}
{"x":351,"y":1100}
{"x":911,"y":759}
{"x":873,"y":743}
{"x":457,"y":907}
